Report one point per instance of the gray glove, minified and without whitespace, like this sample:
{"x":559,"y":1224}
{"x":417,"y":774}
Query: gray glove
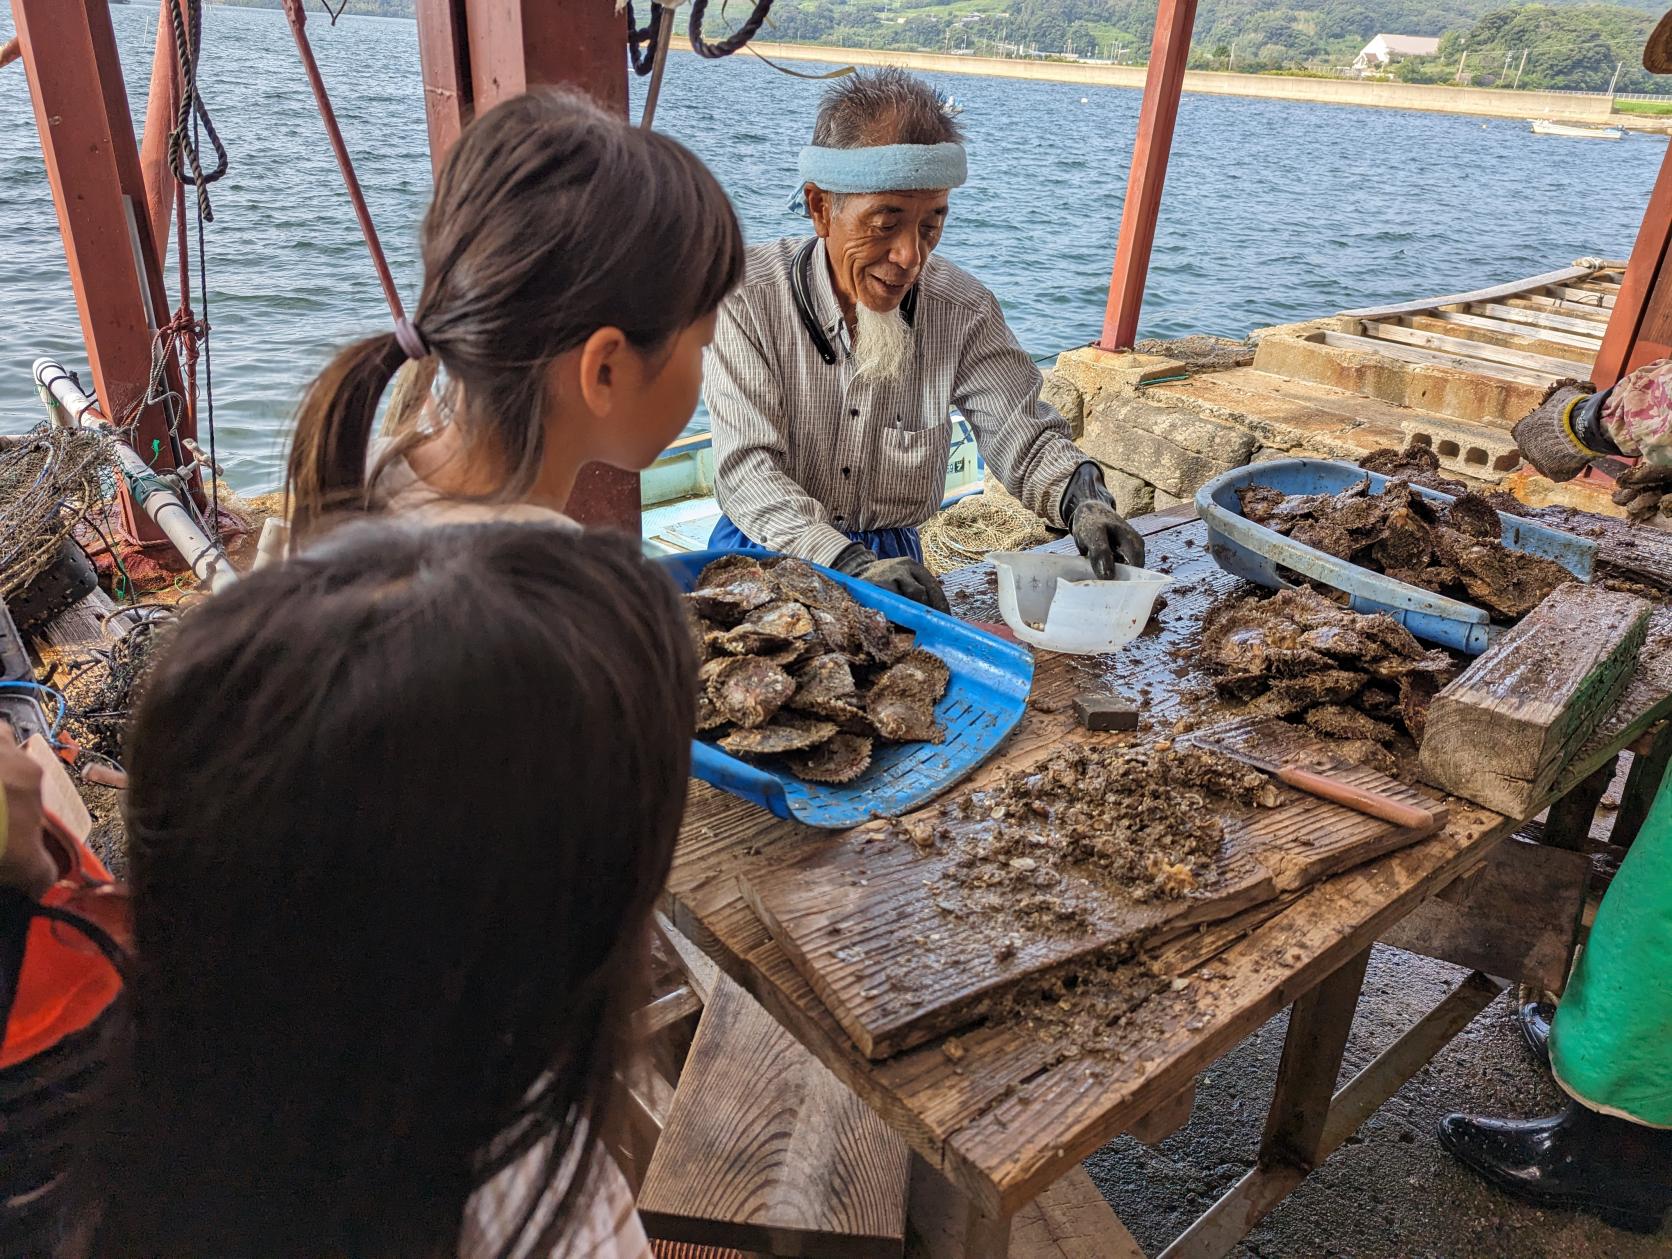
{"x":1100,"y":531}
{"x":1564,"y":433}
{"x":904,"y":576}
{"x":1645,"y":491}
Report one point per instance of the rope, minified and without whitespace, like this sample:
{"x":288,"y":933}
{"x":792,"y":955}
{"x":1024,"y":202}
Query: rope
{"x":642,"y":41}
{"x":298,"y":21}
{"x":186,"y":17}
{"x":736,"y":40}
{"x":965,"y":532}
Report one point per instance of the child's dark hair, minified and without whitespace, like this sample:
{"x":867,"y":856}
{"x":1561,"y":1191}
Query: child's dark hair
{"x":551,"y":219}
{"x":399,"y":810}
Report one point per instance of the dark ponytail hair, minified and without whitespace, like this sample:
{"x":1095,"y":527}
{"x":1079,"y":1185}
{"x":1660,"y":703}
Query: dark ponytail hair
{"x":551,"y":219}
{"x":389,"y":936}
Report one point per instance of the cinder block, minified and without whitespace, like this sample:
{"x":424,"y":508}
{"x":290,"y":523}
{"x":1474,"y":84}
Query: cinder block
{"x":1183,"y":425}
{"x":1475,"y":450}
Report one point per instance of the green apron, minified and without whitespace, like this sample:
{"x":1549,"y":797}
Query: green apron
{"x":1611,"y":1043}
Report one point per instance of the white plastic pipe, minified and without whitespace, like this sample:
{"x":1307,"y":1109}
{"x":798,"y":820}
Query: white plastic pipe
{"x":155,"y":497}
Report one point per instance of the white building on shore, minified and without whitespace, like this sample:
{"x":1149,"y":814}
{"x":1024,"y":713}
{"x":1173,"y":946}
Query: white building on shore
{"x":1386,"y":49}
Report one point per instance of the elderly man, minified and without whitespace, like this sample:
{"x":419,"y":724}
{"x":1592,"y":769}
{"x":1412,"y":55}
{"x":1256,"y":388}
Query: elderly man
{"x":835,"y":367}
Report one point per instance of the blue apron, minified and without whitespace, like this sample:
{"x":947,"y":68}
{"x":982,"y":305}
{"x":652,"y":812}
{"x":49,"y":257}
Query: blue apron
{"x":885,"y":544}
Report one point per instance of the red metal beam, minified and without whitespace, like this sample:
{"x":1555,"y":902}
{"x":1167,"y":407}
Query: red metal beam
{"x":1169,"y":51}
{"x":444,"y":55}
{"x":160,"y":108}
{"x":92,"y":161}
{"x":1640,"y":329}
{"x":519,"y":44}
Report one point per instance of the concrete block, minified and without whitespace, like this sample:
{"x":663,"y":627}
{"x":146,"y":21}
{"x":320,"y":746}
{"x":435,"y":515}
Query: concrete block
{"x":1095,"y":372}
{"x":1164,"y":500}
{"x":1267,"y":453}
{"x":1133,"y":495}
{"x":1182,"y":425}
{"x":1162,"y":463}
{"x":1447,"y":391}
{"x":1063,"y":394}
{"x":1476,"y":450}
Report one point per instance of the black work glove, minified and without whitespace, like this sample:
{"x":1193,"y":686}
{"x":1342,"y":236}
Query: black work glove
{"x":1100,"y":531}
{"x":903,"y":576}
{"x":1564,"y":433}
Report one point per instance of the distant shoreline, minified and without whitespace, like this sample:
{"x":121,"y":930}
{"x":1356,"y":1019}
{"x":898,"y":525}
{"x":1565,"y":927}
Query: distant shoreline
{"x":1594,"y":111}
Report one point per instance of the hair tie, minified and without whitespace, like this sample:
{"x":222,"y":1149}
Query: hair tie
{"x":410,"y":339}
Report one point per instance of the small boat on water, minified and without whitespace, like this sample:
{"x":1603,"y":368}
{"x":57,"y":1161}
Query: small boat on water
{"x":1544,"y":127}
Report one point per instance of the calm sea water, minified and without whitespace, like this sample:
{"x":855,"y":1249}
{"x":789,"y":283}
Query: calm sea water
{"x":1274,"y":211}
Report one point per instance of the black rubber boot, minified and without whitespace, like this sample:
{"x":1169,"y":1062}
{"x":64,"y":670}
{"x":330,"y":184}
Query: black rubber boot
{"x":1577,"y":1160}
{"x":1535,"y":1027}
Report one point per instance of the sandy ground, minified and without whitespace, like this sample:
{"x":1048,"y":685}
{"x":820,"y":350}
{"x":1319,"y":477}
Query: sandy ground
{"x":1391,"y":1192}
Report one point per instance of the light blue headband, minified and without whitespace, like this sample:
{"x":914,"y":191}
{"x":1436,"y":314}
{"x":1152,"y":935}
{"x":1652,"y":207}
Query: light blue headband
{"x":883,"y":168}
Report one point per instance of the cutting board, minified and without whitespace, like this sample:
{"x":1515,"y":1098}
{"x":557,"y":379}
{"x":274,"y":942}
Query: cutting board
{"x":880,"y":928}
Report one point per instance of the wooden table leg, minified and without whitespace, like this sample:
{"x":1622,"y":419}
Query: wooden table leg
{"x":1569,"y":822}
{"x":1318,"y":1027}
{"x":1648,"y":769}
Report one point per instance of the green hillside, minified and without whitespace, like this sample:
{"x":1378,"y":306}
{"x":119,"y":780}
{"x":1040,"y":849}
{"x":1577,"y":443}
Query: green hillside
{"x":1569,"y":44}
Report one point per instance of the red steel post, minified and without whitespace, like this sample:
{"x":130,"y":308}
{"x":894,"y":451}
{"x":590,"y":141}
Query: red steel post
{"x":160,"y":109}
{"x":1162,"y":86}
{"x":519,"y":44}
{"x":444,"y":57}
{"x":1640,"y":329}
{"x":92,"y":161}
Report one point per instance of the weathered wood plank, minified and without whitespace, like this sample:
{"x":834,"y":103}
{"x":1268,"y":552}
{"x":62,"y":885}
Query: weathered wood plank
{"x":764,"y":1149}
{"x":1563,"y":276}
{"x":1505,"y":328}
{"x":1070,"y":1220}
{"x":1166,"y":1118}
{"x":1482,"y":921}
{"x":1503,"y":730}
{"x":1539,"y":318}
{"x":1434,"y":358}
{"x":1584,"y":297}
{"x":1468,"y":348}
{"x":884,"y":934}
{"x":1577,"y":310}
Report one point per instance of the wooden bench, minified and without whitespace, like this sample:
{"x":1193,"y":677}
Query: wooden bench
{"x":765,"y":1150}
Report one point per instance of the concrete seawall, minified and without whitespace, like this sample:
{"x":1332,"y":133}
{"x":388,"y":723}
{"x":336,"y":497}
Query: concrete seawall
{"x":1486,"y":102}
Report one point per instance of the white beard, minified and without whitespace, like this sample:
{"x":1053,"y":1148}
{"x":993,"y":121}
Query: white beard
{"x":883,"y":345}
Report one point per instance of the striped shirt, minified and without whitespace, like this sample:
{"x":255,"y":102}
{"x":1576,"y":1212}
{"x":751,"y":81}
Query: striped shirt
{"x":806,"y":452}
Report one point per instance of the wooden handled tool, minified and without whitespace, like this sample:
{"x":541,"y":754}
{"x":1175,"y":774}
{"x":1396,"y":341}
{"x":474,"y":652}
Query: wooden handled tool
{"x":1360,"y":799}
{"x":1366,"y":800}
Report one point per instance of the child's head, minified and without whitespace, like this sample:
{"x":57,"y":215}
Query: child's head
{"x":573,"y":265}
{"x":399,"y":810}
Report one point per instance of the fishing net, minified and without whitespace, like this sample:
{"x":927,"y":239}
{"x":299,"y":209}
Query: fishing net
{"x":1202,"y":353}
{"x":965,"y":532}
{"x":102,"y":681}
{"x":49,"y":477}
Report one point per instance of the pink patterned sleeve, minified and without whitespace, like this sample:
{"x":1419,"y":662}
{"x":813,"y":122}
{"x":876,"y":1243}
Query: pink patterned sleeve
{"x":1638,"y":413}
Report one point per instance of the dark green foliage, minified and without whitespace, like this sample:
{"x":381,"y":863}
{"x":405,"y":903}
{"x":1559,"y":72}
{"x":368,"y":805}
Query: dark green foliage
{"x":1571,"y":44}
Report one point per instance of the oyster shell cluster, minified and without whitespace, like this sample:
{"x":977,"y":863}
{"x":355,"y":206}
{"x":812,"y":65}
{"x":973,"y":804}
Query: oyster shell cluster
{"x":1452,"y":549}
{"x":792,"y":667}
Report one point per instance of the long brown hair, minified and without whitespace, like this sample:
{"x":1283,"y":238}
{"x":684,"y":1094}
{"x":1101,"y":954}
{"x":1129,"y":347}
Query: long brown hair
{"x":551,"y":219}
{"x":399,"y":810}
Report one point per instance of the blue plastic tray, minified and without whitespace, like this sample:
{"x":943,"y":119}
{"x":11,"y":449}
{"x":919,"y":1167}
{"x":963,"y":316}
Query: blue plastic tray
{"x":1261,"y":555}
{"x":984,"y":700}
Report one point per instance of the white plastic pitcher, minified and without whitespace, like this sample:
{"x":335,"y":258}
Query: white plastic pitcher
{"x":1056,"y":602}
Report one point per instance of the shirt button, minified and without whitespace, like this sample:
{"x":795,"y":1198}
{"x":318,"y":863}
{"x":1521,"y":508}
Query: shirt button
{"x":847,"y":471}
{"x":854,"y":413}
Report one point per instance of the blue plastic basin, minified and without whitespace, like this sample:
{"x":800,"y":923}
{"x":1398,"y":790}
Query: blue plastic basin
{"x":984,"y":700}
{"x":1262,"y":555}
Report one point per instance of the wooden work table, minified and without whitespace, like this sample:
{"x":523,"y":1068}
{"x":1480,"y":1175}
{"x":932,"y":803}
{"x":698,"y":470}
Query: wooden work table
{"x":1007,"y":1114}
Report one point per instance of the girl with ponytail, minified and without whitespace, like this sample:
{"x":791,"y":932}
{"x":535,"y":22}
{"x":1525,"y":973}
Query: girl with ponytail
{"x":573,"y":265}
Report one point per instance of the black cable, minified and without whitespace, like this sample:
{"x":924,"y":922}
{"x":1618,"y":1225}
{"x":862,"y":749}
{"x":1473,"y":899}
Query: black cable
{"x":214,"y":530}
{"x":733,"y":42}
